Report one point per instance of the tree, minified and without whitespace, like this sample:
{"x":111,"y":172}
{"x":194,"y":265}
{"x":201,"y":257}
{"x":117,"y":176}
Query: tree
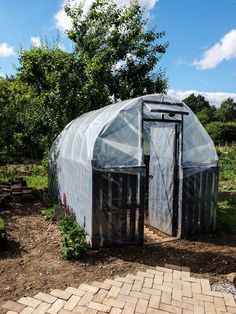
{"x":197,"y":103}
{"x":227,"y":111}
{"x":118,"y":55}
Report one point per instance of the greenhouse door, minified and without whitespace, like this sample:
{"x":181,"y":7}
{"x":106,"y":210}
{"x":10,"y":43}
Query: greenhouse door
{"x":163,"y":203}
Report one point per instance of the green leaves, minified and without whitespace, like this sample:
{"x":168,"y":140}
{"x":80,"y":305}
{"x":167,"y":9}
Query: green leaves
{"x":74,"y":243}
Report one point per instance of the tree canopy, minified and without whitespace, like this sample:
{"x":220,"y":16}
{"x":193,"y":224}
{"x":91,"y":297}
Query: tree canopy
{"x":115,"y":56}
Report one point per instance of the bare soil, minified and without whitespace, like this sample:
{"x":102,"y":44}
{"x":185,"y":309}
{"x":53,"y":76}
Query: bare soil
{"x":33,"y":262}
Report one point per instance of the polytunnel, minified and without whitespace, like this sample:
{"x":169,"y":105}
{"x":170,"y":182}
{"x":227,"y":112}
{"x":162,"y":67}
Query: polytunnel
{"x":146,"y":160}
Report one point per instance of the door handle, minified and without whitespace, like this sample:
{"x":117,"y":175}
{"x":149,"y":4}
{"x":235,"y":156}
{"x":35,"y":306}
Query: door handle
{"x":150,"y":177}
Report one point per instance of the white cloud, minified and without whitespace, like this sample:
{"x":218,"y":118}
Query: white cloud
{"x":225,"y":49}
{"x":63,"y":22}
{"x":214,"y":98}
{"x":35,"y":41}
{"x":6,"y":50}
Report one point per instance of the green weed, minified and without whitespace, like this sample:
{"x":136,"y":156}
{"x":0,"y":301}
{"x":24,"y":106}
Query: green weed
{"x":74,"y":240}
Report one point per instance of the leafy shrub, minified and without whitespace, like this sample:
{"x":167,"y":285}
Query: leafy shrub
{"x":222,"y":132}
{"x":74,"y":242}
{"x":49,"y":213}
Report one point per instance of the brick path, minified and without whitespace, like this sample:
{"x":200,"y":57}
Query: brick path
{"x":156,"y":291}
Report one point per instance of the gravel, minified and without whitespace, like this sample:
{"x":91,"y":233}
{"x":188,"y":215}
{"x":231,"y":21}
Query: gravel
{"x":225,"y":287}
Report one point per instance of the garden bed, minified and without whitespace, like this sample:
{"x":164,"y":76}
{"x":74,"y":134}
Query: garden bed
{"x":33,"y":262}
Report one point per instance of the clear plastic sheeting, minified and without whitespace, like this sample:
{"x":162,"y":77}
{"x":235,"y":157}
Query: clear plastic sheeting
{"x":161,"y":174}
{"x":117,"y":136}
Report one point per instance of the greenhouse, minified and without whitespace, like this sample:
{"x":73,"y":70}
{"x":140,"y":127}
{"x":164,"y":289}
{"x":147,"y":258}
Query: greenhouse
{"x":147,"y":161}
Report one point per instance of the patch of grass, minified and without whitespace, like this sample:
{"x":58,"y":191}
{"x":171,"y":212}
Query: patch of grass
{"x":37,"y":182}
{"x":34,"y":174}
{"x":226,"y":215}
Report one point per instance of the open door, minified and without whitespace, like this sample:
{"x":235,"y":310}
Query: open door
{"x":163,"y":181}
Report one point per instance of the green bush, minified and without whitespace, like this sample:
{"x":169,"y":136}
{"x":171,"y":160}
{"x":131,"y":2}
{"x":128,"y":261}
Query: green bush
{"x":74,"y":242}
{"x":49,"y":213}
{"x":222,"y":132}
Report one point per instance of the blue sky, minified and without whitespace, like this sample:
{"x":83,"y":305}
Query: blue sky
{"x":202,"y":33}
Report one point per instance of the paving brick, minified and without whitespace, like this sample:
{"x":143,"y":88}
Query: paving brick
{"x":193,"y":301}
{"x":182,"y":305}
{"x":164,"y":270}
{"x":113,"y":283}
{"x":231,"y":309}
{"x":60,"y":294}
{"x":114,"y":303}
{"x":196,"y":287}
{"x":168,"y":277}
{"x":115,"y":310}
{"x":100,"y":307}
{"x":166,"y":297}
{"x":198,"y":309}
{"x":177,"y":274}
{"x":155,"y":311}
{"x":203,"y":297}
{"x":127,"y":298}
{"x":113,"y":293}
{"x":86,"y":299}
{"x":140,"y":295}
{"x":126,"y":288}
{"x":229,"y":299}
{"x":177,"y":295}
{"x":165,"y":287}
{"x":158,"y":280}
{"x":151,"y":291}
{"x":187,"y":291}
{"x":27,"y":310}
{"x":155,"y":272}
{"x":100,"y":296}
{"x":145,"y":274}
{"x":137,"y":286}
{"x":102,"y":285}
{"x":42,"y":308}
{"x":84,"y":310}
{"x":187,"y":311}
{"x":72,"y":302}
{"x":75,"y":291}
{"x":129,"y":308}
{"x":45,"y":297}
{"x":124,"y":279}
{"x":31,"y":302}
{"x":88,"y":288}
{"x":170,"y":308}
{"x":174,"y":267}
{"x":148,"y":282}
{"x":209,"y":307}
{"x":63,"y":311}
{"x":13,"y":306}
{"x":154,"y":301}
{"x":141,"y":306}
{"x":135,"y":277}
{"x":205,"y":285}
{"x":56,"y":307}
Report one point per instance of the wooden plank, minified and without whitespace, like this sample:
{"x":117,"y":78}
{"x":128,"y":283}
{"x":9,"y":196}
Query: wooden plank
{"x":133,"y":188}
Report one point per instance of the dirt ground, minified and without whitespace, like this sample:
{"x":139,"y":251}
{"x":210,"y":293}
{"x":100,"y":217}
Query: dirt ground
{"x":33,"y":262}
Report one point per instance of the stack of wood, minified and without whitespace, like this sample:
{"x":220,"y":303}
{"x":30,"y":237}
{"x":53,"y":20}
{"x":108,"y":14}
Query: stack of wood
{"x":16,"y":188}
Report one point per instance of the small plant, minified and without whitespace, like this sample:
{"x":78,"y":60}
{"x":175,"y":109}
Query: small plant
{"x":3,"y":235}
{"x":50,"y":213}
{"x":74,"y":242}
{"x":2,"y":227}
